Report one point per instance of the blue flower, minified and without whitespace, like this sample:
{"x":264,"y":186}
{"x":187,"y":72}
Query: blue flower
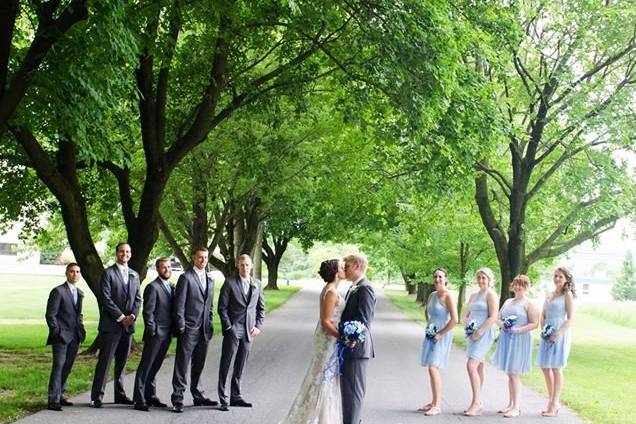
{"x":547,"y":332}
{"x":470,"y":328}
{"x":509,"y":321}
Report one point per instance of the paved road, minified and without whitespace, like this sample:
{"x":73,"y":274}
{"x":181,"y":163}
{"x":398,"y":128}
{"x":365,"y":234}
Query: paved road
{"x":397,"y":385}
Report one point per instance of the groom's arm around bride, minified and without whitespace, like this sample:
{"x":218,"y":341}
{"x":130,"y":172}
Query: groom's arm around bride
{"x":360,"y":306}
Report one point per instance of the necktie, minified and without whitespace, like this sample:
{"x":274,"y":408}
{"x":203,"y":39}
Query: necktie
{"x":202,"y":280}
{"x":74,"y":293}
{"x":246,"y":285}
{"x":124,"y":275}
{"x":167,"y":289}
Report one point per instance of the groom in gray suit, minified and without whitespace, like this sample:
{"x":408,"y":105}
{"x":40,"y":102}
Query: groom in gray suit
{"x":66,"y":333}
{"x":158,"y":331}
{"x":241,"y":309}
{"x":360,"y":306}
{"x":192,"y":305}
{"x":119,"y":307}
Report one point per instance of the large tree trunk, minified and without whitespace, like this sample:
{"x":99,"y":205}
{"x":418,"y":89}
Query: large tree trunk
{"x":409,"y":281}
{"x":272,"y":256}
{"x":257,"y":253}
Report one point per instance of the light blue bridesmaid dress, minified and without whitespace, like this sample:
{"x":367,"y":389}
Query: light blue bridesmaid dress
{"x":436,"y":354}
{"x":478,"y":312}
{"x":514,"y":351}
{"x":555,"y":355}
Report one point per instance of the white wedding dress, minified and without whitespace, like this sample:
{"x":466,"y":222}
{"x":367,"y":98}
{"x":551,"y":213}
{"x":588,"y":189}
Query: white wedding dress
{"x":318,"y":400}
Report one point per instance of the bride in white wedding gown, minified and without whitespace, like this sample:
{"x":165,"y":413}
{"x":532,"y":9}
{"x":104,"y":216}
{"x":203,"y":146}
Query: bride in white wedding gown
{"x":318,"y":400}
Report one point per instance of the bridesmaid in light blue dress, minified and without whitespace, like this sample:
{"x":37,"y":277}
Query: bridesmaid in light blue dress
{"x":481,"y":310}
{"x":558,"y":311}
{"x":514,"y":348}
{"x":441,"y":311}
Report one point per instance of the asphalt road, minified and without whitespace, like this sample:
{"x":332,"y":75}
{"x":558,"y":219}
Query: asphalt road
{"x":396,"y":384}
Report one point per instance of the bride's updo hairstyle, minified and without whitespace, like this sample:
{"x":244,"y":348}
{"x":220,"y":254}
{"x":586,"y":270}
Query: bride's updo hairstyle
{"x":329,"y":269}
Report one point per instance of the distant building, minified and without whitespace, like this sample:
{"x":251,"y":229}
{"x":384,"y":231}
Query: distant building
{"x":13,"y":255}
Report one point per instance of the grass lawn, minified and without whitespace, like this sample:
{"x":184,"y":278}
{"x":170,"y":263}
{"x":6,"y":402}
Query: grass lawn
{"x":25,"y":361}
{"x":601,"y":369}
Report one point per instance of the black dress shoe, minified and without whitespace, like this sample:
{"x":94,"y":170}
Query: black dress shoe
{"x":240,"y":402}
{"x":141,"y":407}
{"x":54,"y":407}
{"x":124,"y":401}
{"x":65,"y":402}
{"x":96,"y":403}
{"x":205,"y":402}
{"x":177,"y":407}
{"x":223,"y":407}
{"x":156,"y":402}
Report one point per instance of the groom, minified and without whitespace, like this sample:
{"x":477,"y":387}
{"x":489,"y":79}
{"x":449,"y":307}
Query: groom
{"x":360,"y":306}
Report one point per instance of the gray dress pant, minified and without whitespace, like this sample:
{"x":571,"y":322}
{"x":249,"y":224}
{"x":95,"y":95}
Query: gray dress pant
{"x":112,"y":345}
{"x":63,"y":358}
{"x":353,"y":382}
{"x":152,"y":357}
{"x":235,"y":347}
{"x":192,"y":348}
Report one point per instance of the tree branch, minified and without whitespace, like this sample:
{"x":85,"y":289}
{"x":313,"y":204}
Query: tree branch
{"x":49,"y":32}
{"x":122,"y":175}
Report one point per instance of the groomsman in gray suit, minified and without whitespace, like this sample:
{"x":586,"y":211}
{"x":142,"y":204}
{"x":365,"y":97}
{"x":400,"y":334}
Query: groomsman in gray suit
{"x":120,"y":301}
{"x":192,"y":305}
{"x":241,"y":309}
{"x":158,"y":331}
{"x":66,"y":333}
{"x":360,"y":306}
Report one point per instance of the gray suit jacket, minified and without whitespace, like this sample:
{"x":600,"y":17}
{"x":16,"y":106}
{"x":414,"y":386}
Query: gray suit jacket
{"x":238,"y":312}
{"x":63,"y":317}
{"x":360,"y":306}
{"x":157,"y":309}
{"x":192,"y":305}
{"x":117,"y":299}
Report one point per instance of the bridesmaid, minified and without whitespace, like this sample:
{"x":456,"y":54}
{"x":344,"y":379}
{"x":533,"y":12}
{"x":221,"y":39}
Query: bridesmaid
{"x":558,"y":311}
{"x":441,"y":311}
{"x":514,"y":348}
{"x":482,"y":309}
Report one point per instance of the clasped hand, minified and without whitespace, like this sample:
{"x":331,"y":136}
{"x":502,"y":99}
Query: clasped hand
{"x":127,"y":321}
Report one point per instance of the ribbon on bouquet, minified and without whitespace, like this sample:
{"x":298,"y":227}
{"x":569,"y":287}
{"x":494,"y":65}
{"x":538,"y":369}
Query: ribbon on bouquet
{"x":333,"y":365}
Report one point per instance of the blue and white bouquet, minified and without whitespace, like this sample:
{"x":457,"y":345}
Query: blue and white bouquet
{"x":352,"y":333}
{"x":470,"y":328}
{"x":431,"y":331}
{"x":547,"y":332}
{"x":509,"y":322}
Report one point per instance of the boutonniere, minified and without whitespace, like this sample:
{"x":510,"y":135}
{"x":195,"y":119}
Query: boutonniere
{"x":252,"y":284}
{"x":353,"y":289}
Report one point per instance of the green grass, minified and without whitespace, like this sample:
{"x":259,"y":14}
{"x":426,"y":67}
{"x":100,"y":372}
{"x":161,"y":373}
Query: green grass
{"x":25,"y":361}
{"x":601,"y":369}
{"x":621,"y":313}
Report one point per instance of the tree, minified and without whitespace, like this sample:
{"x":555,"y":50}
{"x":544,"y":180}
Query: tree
{"x":625,"y":286}
{"x":566,"y":90}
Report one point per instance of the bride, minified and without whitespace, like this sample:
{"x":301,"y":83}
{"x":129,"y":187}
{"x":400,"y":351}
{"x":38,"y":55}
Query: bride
{"x":318,"y":400}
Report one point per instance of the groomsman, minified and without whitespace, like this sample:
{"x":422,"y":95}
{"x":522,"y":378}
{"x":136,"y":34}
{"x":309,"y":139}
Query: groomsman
{"x":241,"y":309}
{"x":120,"y":301}
{"x":157,"y":335}
{"x":192,"y":306}
{"x":66,"y":333}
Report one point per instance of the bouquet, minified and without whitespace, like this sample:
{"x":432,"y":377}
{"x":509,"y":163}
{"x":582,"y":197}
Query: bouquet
{"x":431,"y":332}
{"x":470,"y":328}
{"x":509,"y":322}
{"x":547,"y":332}
{"x":352,"y":333}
